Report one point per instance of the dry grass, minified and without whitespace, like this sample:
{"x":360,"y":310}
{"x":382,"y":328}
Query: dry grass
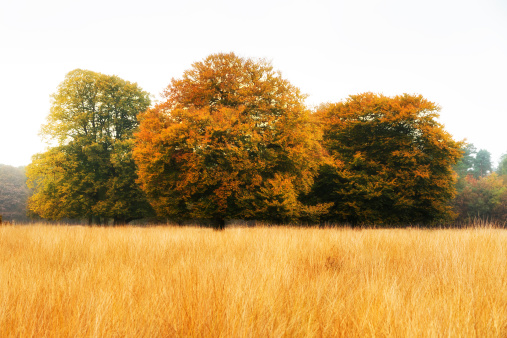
{"x":242,"y":282}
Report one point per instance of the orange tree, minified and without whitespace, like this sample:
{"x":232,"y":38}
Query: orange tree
{"x":232,"y":140}
{"x":392,"y":161}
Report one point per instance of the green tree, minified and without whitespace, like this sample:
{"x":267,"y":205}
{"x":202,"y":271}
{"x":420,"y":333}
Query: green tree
{"x":233,"y":140}
{"x":89,"y":172}
{"x":466,"y":164}
{"x":392,"y":161}
{"x":482,"y":164}
{"x":502,"y":166}
{"x":13,"y":193}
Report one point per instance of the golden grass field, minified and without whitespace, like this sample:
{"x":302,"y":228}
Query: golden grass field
{"x":60,"y":281}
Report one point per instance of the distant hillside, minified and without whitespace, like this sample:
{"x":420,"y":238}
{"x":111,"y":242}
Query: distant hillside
{"x":13,"y":193}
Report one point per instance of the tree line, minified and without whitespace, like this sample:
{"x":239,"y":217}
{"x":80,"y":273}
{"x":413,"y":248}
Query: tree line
{"x":13,"y":194}
{"x":233,"y":139}
{"x":481,"y":192}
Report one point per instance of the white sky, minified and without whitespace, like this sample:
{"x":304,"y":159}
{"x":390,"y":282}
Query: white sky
{"x":452,"y":52}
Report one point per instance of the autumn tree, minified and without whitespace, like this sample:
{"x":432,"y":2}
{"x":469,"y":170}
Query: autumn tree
{"x":89,"y":171}
{"x":392,"y":161}
{"x":232,"y":140}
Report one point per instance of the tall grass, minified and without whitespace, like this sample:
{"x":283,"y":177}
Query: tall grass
{"x":242,"y":282}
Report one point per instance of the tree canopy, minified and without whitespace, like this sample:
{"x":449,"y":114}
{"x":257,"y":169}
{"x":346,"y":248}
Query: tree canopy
{"x":232,"y":139}
{"x":89,"y":171}
{"x":392,"y":160}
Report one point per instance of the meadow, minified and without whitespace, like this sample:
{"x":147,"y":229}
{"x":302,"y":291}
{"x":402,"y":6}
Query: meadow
{"x":169,"y":281}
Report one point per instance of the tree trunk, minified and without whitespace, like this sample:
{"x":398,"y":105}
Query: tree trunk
{"x":219,"y":224}
{"x":122,"y":220}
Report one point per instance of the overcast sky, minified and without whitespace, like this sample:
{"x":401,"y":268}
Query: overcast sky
{"x":454,"y":53}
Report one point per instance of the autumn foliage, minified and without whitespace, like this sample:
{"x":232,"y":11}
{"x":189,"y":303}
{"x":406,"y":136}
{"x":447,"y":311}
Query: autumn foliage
{"x":392,"y":161}
{"x":232,"y":139}
{"x":482,"y":198}
{"x":88,"y":172}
